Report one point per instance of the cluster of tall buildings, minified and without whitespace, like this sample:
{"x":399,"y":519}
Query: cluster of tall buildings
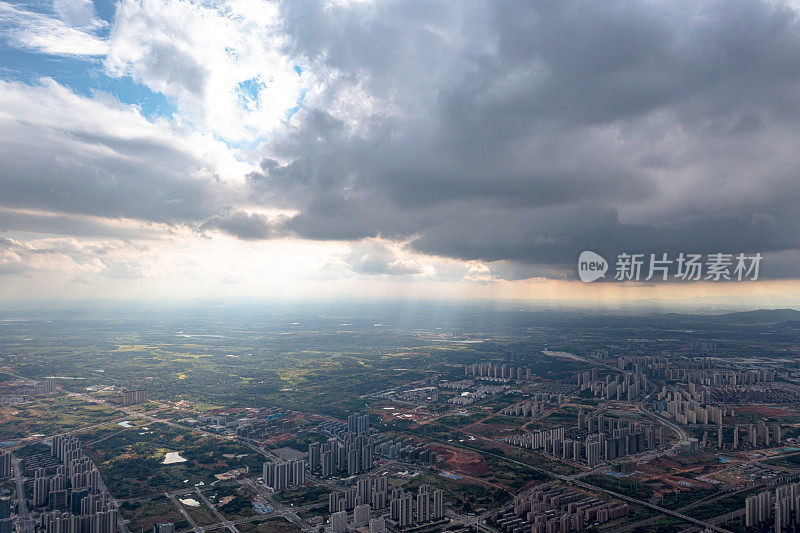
{"x":6,"y":469}
{"x":352,"y":455}
{"x":358,"y":424}
{"x":698,"y":370}
{"x":498,"y":371}
{"x":71,"y":489}
{"x":370,"y":491}
{"x":350,"y":448}
{"x":525,"y":409}
{"x":371,"y":496}
{"x":361,"y":518}
{"x":626,"y":386}
{"x":6,"y":526}
{"x":595,"y":439}
{"x":96,"y":515}
{"x":549,"y":397}
{"x":759,"y":435}
{"x":133,"y":396}
{"x":556,"y":509}
{"x":408,"y":509}
{"x":587,"y":376}
{"x":480,"y":392}
{"x":716,"y":377}
{"x":281,"y":475}
{"x":407,"y":449}
{"x":27,"y":388}
{"x":781,"y":507}
{"x":690,"y":404}
{"x":261,"y":423}
{"x":774,"y":392}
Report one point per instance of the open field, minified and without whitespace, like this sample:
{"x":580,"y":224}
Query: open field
{"x":132,"y":460}
{"x":49,"y":415}
{"x":144,"y":513}
{"x":269,"y":525}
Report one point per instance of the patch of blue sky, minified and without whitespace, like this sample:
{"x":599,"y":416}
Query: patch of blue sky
{"x":105,"y":9}
{"x":83,"y":76}
{"x":247,"y":91}
{"x":298,"y":69}
{"x":251,"y":143}
{"x":151,"y":104}
{"x":292,"y":111}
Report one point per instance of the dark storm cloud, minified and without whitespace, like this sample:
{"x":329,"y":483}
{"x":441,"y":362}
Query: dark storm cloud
{"x":530,"y":131}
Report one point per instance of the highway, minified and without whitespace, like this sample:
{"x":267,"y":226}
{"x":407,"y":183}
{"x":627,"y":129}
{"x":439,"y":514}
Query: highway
{"x":281,"y":509}
{"x":211,"y":506}
{"x":682,"y":434}
{"x":179,"y":507}
{"x":23,"y":521}
{"x":589,"y":487}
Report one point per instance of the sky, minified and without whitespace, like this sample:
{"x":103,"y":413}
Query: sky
{"x":168,"y":149}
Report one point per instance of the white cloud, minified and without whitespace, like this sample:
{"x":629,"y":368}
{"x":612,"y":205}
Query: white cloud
{"x":74,"y":34}
{"x":75,"y":258}
{"x":77,"y":13}
{"x":374,"y":257}
{"x":223,"y":63}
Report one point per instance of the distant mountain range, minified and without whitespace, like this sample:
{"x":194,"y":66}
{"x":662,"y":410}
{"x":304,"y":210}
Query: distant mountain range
{"x":759,"y":316}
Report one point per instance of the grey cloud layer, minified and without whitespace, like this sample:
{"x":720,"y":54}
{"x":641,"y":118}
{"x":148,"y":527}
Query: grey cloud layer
{"x":529,"y":131}
{"x":64,"y":154}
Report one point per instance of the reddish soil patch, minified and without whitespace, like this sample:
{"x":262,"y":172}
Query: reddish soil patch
{"x":765,"y":410}
{"x":461,"y":461}
{"x":646,"y":468}
{"x":277,"y":439}
{"x":385,"y":415}
{"x":680,"y":482}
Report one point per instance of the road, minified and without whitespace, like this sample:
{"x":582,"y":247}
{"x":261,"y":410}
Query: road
{"x":211,"y":506}
{"x":697,"y":503}
{"x":717,"y":519}
{"x":589,"y":487}
{"x":682,"y":434}
{"x":281,"y":509}
{"x":180,"y":508}
{"x":212,"y":527}
{"x":23,"y":521}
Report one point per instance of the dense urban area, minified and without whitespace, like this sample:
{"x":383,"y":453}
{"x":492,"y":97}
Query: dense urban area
{"x":379,"y":419}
